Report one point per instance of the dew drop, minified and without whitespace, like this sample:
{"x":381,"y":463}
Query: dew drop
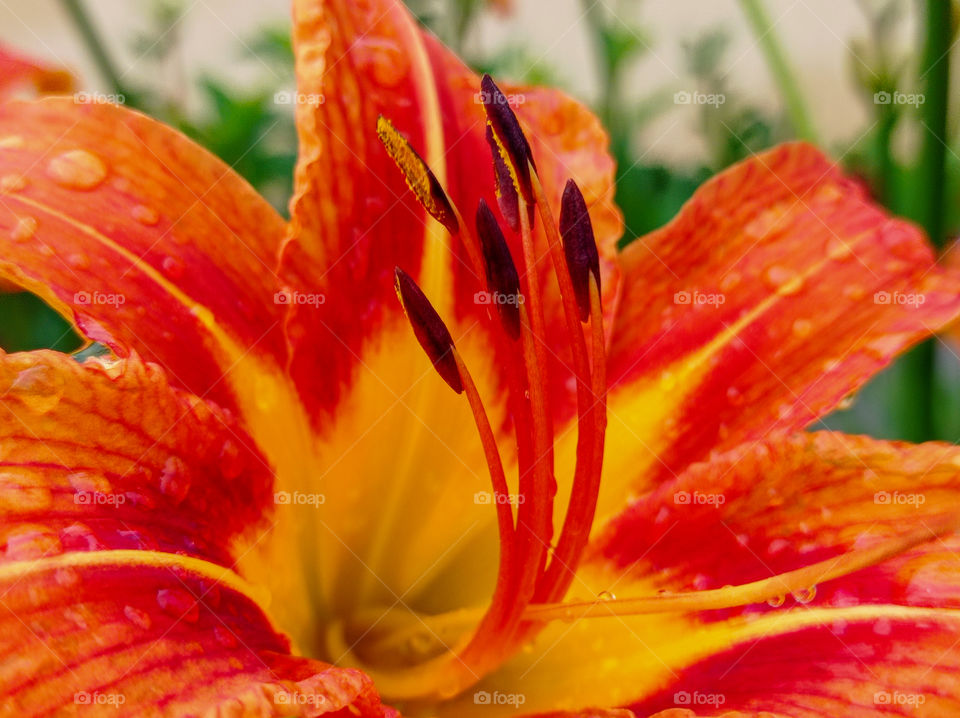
{"x":174,"y":481}
{"x":77,"y":169}
{"x":856,"y":292}
{"x":173,"y":267}
{"x":79,"y":261}
{"x":138,"y":617}
{"x":39,"y":387}
{"x":32,"y":542}
{"x":89,"y":482}
{"x":12,"y":183}
{"x":776,"y":601}
{"x":179,"y":604}
{"x":76,"y":618}
{"x":145,"y":215}
{"x":24,"y":229}
{"x":225,"y":637}
{"x":231,"y":463}
{"x":839,"y":250}
{"x":606,"y":596}
{"x":734,"y":396}
{"x":67,"y":577}
{"x":729,"y":281}
{"x":805,"y":595}
{"x":383,"y":58}
{"x":802,"y":328}
{"x":882,"y":627}
{"x":784,"y":280}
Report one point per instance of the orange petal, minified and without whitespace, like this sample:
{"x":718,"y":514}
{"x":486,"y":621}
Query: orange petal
{"x":354,"y":219}
{"x":17,"y":71}
{"x":748,"y":515}
{"x":142,"y":238}
{"x":778,"y":290}
{"x":124,"y":504}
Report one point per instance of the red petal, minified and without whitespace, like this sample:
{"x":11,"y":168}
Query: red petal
{"x":145,"y":239}
{"x":777,"y":291}
{"x":354,"y":219}
{"x":122,"y":502}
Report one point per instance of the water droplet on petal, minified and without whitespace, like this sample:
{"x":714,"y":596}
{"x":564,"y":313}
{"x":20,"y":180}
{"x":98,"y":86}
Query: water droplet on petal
{"x":173,"y":267}
{"x":839,"y":250}
{"x":225,"y":637}
{"x":383,"y":58}
{"x":67,"y":577}
{"x":79,"y":261}
{"x":802,"y":328}
{"x":145,"y":215}
{"x":606,"y":596}
{"x":776,"y":601}
{"x":734,"y":396}
{"x":784,"y":280}
{"x":805,"y":595}
{"x":174,"y":480}
{"x":179,"y":604}
{"x":77,"y":169}
{"x":24,"y":229}
{"x":882,"y":627}
{"x":729,"y":281}
{"x":12,"y":183}
{"x":231,"y":464}
{"x":32,"y":542}
{"x":138,"y":617}
{"x":39,"y":387}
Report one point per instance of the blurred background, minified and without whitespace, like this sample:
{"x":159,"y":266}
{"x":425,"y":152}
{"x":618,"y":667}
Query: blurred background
{"x":686,"y":87}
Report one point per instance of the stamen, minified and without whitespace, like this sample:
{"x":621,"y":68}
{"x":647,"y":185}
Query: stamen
{"x":429,"y":329}
{"x":508,"y":135}
{"x":506,"y":190}
{"x":419,"y":176}
{"x":795,"y":582}
{"x":579,"y":245}
{"x":501,"y":493}
{"x":502,"y":278}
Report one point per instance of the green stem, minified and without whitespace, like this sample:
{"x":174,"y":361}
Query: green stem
{"x":96,"y":48}
{"x":916,"y":407}
{"x":762,"y":27}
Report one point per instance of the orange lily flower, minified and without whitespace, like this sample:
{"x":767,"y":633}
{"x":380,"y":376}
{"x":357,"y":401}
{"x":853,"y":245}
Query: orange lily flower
{"x":266,"y":501}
